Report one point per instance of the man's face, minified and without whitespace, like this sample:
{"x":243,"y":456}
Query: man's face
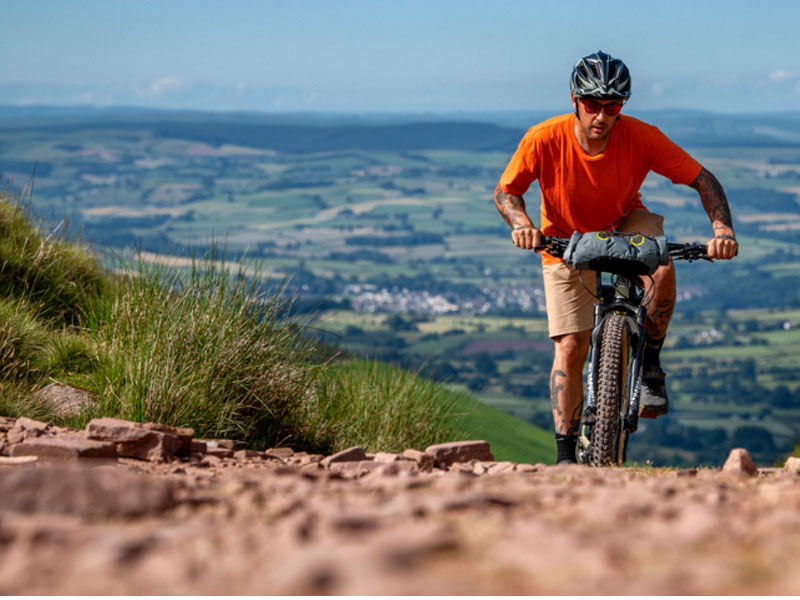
{"x":593,"y":116}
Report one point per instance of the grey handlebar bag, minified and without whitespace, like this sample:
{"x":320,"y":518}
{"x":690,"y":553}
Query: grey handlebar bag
{"x":625,"y":254}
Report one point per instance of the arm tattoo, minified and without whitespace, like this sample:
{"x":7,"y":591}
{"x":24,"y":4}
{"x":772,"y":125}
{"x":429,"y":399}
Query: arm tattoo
{"x":555,"y":388}
{"x":713,"y":198}
{"x":511,"y":207}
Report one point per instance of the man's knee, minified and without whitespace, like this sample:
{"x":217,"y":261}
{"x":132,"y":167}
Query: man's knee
{"x":571,"y":348}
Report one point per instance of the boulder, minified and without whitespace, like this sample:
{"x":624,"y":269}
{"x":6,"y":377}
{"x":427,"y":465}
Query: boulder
{"x":739,"y":463}
{"x":446,"y":454}
{"x":64,"y":399}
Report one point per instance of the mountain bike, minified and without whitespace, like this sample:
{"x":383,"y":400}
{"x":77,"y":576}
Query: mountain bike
{"x":621,"y":263}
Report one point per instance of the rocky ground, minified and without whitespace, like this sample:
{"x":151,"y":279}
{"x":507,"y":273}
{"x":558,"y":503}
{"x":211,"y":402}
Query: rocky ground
{"x":123,"y":508}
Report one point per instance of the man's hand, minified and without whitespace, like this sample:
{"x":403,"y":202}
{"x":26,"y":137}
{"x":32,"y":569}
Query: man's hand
{"x":524,"y":233}
{"x":724,"y":247}
{"x":526,"y":237}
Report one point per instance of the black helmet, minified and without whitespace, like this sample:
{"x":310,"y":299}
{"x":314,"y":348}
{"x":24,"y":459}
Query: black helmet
{"x":600,"y":75}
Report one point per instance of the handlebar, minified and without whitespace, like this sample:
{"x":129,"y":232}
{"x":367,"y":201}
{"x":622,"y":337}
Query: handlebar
{"x":690,"y":252}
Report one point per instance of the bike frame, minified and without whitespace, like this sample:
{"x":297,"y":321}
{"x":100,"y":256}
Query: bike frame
{"x":624,"y":297}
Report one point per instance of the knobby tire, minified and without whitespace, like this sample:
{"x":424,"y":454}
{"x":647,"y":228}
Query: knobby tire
{"x":608,"y":439}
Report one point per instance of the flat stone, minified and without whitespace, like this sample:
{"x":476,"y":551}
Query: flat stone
{"x":64,"y":447}
{"x":355,"y":453}
{"x":465,"y":451}
{"x":213,"y":443}
{"x":184,"y":434}
{"x":279,"y":453}
{"x":134,"y":440}
{"x":116,"y":430}
{"x":198,"y":446}
{"x":739,"y":463}
{"x":219,"y":452}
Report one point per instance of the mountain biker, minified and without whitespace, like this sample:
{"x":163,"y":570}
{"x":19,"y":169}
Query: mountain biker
{"x":590,"y":165}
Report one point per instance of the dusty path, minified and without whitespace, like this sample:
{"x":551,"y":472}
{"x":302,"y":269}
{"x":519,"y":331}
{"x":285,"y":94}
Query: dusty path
{"x":282,"y":523}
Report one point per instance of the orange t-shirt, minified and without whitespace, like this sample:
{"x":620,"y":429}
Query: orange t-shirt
{"x":591,"y":193}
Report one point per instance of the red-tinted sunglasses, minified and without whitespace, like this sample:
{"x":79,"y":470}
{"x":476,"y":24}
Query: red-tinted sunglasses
{"x":593,"y":107}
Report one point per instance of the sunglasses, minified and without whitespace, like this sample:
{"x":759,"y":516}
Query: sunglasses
{"x":593,"y":107}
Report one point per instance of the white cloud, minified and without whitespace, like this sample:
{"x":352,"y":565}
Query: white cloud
{"x":781,"y":75}
{"x":160,"y":87}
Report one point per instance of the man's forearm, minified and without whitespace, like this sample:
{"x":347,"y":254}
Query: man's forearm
{"x":714,"y":201}
{"x":512,"y":208}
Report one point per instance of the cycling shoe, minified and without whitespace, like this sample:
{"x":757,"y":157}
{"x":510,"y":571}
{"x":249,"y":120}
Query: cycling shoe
{"x":653,"y":400}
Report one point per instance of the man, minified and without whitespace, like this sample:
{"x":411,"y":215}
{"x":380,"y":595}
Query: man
{"x":590,"y":165}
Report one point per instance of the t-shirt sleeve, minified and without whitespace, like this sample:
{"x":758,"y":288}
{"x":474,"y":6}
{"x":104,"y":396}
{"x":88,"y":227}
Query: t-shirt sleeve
{"x":522,"y":169}
{"x":672,"y":161}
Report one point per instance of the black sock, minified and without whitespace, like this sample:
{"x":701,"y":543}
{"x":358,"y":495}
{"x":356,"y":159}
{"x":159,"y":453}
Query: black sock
{"x":652,"y":351}
{"x":565,"y":447}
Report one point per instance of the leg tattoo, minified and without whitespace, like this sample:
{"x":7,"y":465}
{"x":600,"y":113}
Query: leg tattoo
{"x":555,"y":388}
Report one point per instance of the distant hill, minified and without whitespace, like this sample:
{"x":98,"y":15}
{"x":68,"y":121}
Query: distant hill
{"x":311,"y":132}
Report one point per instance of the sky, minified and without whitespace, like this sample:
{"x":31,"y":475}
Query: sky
{"x":416,"y":56}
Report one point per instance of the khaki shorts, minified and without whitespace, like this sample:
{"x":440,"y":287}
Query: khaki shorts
{"x":569,"y":302}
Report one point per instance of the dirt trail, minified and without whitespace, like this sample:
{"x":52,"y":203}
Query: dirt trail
{"x":288,"y":523}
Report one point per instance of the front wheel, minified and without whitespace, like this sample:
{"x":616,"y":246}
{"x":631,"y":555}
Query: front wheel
{"x":609,"y":438}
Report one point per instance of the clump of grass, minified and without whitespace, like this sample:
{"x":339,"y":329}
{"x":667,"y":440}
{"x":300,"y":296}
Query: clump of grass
{"x":59,"y":277}
{"x":382,"y":408}
{"x":207,"y":348}
{"x":22,"y":341}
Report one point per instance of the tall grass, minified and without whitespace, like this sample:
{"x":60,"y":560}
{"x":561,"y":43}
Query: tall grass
{"x":205,"y":347}
{"x":382,"y":408}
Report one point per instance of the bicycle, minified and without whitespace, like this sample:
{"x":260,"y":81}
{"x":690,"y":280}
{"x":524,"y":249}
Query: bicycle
{"x":614,"y":376}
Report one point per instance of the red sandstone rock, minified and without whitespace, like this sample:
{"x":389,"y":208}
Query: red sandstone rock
{"x":739,"y":463}
{"x":446,"y":454}
{"x":198,"y":446}
{"x":219,"y":452}
{"x":25,"y":429}
{"x":64,"y":447}
{"x":278,"y":453}
{"x":134,"y":440}
{"x":423,"y":459}
{"x":355,"y":453}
